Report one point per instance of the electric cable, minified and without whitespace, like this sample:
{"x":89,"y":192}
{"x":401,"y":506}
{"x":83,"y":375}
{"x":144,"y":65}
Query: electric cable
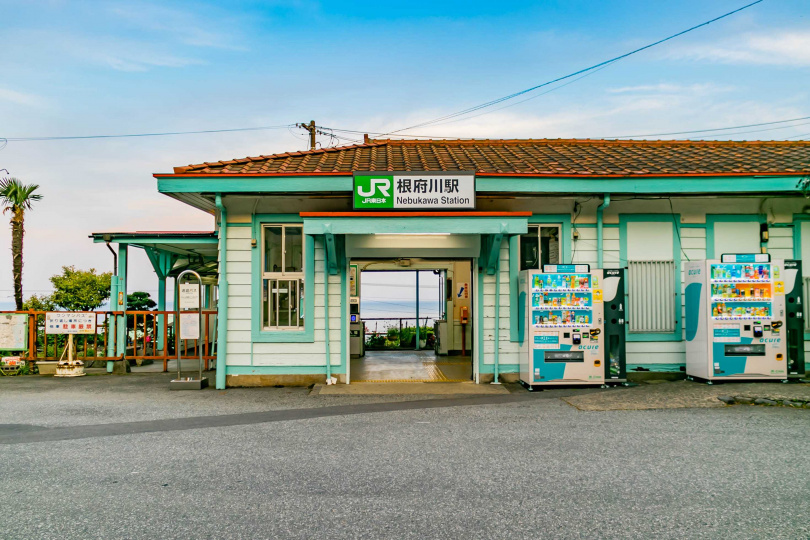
{"x":574,"y":74}
{"x":130,"y":135}
{"x":686,"y":132}
{"x":710,"y":130}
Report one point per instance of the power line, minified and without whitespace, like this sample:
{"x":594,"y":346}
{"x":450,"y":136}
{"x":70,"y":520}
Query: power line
{"x":129,"y":135}
{"x":711,"y":130}
{"x":727,"y":128}
{"x":574,"y":74}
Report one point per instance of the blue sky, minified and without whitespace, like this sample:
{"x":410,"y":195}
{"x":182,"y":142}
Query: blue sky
{"x":76,"y":68}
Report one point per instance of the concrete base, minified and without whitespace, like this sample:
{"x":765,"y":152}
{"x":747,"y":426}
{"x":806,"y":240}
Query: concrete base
{"x":252,"y":381}
{"x":642,"y":376}
{"x":47,"y":368}
{"x":409,"y":388}
{"x":486,"y":378}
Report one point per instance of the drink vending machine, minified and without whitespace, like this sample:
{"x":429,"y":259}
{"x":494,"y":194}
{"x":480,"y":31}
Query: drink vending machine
{"x":736,"y":315}
{"x":574,"y":326}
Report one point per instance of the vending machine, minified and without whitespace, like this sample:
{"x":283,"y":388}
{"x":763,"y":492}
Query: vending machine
{"x":563,"y":314}
{"x":735,"y":318}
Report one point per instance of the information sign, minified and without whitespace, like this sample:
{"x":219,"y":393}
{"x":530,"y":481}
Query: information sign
{"x":189,"y":296}
{"x":354,"y":289}
{"x":13,"y":332}
{"x":411,"y":191}
{"x":67,"y":322}
{"x":189,"y":326}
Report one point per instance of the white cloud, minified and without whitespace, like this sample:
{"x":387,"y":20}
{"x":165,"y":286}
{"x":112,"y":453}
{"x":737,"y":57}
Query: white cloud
{"x":773,"y":48}
{"x":186,"y":27}
{"x":671,"y":88}
{"x":20,"y":98}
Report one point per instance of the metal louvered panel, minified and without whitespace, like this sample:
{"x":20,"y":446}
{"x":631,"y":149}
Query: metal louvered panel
{"x":651,"y":297}
{"x":806,"y":309}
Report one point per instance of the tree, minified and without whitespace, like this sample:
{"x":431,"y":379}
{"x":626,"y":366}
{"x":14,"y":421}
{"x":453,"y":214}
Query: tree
{"x":16,"y":198}
{"x":39,"y":303}
{"x":140,"y":301}
{"x":80,"y":290}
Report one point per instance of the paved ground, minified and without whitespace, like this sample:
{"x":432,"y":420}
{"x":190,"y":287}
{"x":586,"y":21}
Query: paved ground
{"x":518,"y":465}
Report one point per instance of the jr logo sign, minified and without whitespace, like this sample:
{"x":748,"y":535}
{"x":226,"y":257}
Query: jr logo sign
{"x":373,"y":191}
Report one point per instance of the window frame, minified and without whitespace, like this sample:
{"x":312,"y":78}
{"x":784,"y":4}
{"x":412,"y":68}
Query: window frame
{"x":260,"y":333}
{"x":539,"y":226}
{"x":283,"y":275}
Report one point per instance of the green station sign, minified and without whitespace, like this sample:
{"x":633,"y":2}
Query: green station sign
{"x":414,"y":191}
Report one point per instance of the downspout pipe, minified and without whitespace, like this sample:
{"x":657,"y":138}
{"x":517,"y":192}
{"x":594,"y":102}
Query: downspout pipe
{"x":599,"y":238}
{"x":222,"y":305}
{"x":327,"y":347}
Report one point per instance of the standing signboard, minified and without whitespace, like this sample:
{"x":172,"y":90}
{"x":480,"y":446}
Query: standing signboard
{"x":71,"y":324}
{"x":66,"y":322}
{"x":188,"y":303}
{"x":414,"y":191}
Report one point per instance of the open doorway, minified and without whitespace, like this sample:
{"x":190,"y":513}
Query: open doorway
{"x":411,"y":321}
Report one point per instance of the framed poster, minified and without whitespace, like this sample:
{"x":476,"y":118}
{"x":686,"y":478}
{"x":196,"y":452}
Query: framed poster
{"x":14,"y":332}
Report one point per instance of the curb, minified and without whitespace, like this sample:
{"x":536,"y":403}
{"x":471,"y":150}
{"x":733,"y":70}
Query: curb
{"x":768,"y":402}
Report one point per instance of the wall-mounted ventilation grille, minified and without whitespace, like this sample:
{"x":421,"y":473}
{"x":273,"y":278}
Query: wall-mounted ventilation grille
{"x":651,"y":296}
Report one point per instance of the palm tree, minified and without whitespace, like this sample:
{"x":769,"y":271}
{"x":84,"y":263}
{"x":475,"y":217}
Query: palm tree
{"x":16,"y":198}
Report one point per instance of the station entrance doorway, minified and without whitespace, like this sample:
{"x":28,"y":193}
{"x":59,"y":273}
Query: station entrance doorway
{"x":411,"y":320}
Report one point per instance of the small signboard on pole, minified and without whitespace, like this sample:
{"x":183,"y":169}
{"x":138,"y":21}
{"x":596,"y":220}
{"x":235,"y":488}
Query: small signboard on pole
{"x":189,"y":296}
{"x":189,"y":325}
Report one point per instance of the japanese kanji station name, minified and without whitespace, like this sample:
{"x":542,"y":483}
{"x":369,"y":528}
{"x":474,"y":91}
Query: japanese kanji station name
{"x":414,"y":190}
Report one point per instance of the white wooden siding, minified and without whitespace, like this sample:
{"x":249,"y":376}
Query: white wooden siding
{"x":242,"y":351}
{"x":508,"y":351}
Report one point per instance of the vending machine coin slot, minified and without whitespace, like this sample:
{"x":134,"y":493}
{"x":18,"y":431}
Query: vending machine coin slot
{"x":576,"y":339}
{"x":757,"y":331}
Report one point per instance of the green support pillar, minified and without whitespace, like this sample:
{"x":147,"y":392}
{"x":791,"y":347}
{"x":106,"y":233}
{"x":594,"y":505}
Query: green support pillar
{"x":161,"y":306}
{"x":121,"y":305}
{"x":417,"y":310}
{"x":222,"y":306}
{"x":111,"y":321}
{"x":162,"y":263}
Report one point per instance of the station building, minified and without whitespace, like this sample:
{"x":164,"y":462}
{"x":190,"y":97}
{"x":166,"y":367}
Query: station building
{"x":294,"y":232}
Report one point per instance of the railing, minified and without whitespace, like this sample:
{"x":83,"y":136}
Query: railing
{"x":149,"y":336}
{"x":396,"y":335}
{"x":651,"y":296}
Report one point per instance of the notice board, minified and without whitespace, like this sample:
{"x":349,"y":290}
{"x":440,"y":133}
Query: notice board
{"x":70,"y":322}
{"x":14,"y":332}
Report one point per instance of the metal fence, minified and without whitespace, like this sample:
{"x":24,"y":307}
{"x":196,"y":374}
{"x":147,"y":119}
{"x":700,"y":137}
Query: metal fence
{"x":145,"y":338}
{"x":651,"y":296}
{"x":392,"y":333}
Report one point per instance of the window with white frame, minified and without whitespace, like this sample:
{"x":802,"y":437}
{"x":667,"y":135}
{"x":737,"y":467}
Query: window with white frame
{"x":283,"y":277}
{"x":540,"y":245}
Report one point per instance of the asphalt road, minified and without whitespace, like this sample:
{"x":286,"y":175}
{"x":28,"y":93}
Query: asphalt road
{"x":521,"y":469}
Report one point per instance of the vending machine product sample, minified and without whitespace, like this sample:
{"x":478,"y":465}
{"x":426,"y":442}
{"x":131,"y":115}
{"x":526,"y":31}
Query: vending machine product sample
{"x":564,"y":317}
{"x":736,"y":314}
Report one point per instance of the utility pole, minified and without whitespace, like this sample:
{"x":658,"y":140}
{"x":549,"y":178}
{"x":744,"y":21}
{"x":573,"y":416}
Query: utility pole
{"x":311,"y":128}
